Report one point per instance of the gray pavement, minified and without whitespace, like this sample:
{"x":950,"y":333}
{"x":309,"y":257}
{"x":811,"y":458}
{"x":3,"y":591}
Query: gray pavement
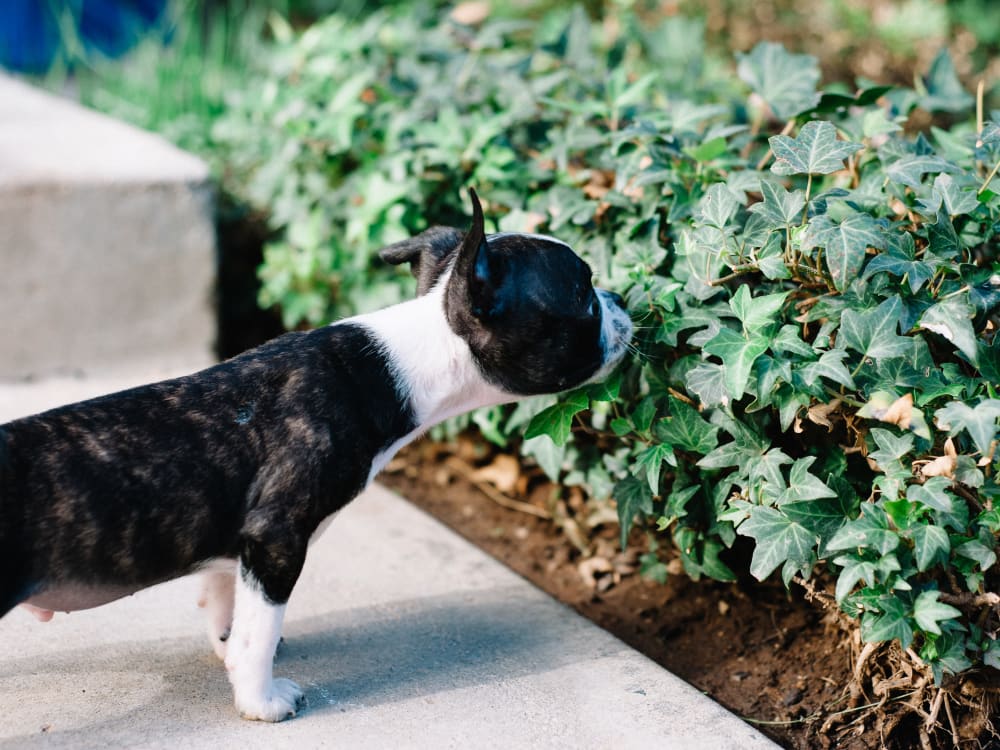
{"x":402,"y":634}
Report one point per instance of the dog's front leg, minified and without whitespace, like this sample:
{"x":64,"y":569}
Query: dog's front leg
{"x":259,"y":610}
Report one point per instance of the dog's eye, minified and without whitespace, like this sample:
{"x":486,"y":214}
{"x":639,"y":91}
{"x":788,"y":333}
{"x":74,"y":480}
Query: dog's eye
{"x":595,"y":308}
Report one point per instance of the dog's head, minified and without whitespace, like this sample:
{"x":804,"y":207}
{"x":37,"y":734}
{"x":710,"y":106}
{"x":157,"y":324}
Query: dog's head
{"x":524,"y":303}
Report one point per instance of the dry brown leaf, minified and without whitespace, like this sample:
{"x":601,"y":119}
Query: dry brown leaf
{"x":503,"y":473}
{"x":589,"y":568}
{"x":900,"y":412}
{"x":820,"y":413}
{"x":942,"y":466}
{"x":471,"y":13}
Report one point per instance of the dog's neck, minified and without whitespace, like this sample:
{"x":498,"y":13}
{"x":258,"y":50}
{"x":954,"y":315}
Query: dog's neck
{"x":434,"y":368}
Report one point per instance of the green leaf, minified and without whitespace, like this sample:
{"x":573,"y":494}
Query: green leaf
{"x":931,"y":545}
{"x":845,"y":243}
{"x":785,"y":81}
{"x":952,"y":318}
{"x":979,"y":421}
{"x":756,"y":312}
{"x":830,"y":365}
{"x":768,"y":468}
{"x":557,"y":420}
{"x":717,"y":206}
{"x":824,"y":517}
{"x":779,"y":208}
{"x":892,"y":625}
{"x":950,"y":196}
{"x":873,"y":332}
{"x":738,"y":355}
{"x":944,"y":89}
{"x":932,"y":493}
{"x":707,"y":381}
{"x":891,"y":447}
{"x":650,"y":460}
{"x":549,"y":456}
{"x":632,"y":497}
{"x":868,"y":531}
{"x":917,"y":272}
{"x":686,"y":429}
{"x":910,"y":169}
{"x":854,"y":569}
{"x":976,"y":550}
{"x":644,"y":414}
{"x":779,"y":540}
{"x":804,"y":486}
{"x":815,"y":150}
{"x":711,"y":149}
{"x":928,"y":611}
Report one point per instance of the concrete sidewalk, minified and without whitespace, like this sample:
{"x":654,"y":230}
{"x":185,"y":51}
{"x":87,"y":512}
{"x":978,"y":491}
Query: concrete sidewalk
{"x":402,"y":634}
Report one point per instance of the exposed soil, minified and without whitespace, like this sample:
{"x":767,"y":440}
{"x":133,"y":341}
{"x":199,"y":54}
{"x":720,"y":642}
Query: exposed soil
{"x":768,"y":655}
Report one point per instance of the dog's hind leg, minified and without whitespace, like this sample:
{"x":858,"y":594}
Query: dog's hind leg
{"x":217,"y":599}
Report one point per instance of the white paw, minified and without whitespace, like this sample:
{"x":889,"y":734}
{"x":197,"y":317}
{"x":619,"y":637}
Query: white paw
{"x":280,"y":701}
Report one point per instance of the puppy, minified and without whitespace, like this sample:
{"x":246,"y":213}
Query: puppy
{"x":232,"y":470}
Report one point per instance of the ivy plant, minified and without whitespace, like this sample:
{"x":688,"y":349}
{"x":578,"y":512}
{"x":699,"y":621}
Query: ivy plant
{"x":815,"y":287}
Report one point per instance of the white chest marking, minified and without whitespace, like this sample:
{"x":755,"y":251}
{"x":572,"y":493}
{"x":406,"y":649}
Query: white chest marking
{"x":433,"y":366}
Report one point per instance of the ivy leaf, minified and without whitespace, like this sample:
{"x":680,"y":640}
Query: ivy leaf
{"x":707,"y":381}
{"x":932,"y":494}
{"x":789,"y":340}
{"x":910,"y":169}
{"x":824,"y":517}
{"x":976,"y":550}
{"x":917,"y":272}
{"x":804,"y":486}
{"x":830,"y":365}
{"x":756,"y":312}
{"x":854,"y":569}
{"x":768,"y":468}
{"x":893,"y":624}
{"x":890,"y":447}
{"x":949,"y":197}
{"x":979,"y":421}
{"x":686,"y":429}
{"x":870,"y":530}
{"x":928,"y":611}
{"x":952,"y":318}
{"x":779,"y":540}
{"x":873,"y":332}
{"x":557,"y":420}
{"x":632,"y":496}
{"x":931,"y":545}
{"x":845,"y":243}
{"x":779,"y":208}
{"x":944,"y":89}
{"x":650,"y":462}
{"x":815,"y":150}
{"x":785,"y":81}
{"x":738,"y":355}
{"x":717,"y":206}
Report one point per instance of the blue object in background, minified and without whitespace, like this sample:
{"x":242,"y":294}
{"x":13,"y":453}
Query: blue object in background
{"x":31,"y":35}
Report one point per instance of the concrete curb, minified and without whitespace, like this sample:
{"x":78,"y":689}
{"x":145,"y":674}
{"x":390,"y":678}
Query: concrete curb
{"x":107,"y":242}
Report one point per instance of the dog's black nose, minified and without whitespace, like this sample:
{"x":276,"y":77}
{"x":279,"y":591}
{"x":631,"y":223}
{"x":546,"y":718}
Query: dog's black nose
{"x":618,"y":299}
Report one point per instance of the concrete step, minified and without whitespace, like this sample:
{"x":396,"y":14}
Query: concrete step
{"x":107,"y":243}
{"x":402,"y":634}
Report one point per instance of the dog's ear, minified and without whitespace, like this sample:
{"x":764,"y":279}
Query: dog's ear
{"x":482,"y":269}
{"x":427,"y":254}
